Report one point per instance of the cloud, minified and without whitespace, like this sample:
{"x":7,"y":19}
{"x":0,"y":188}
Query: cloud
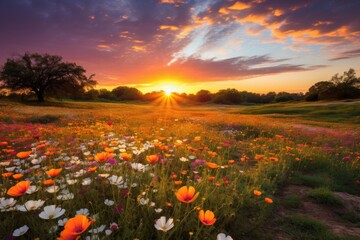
{"x":200,"y":70}
{"x":347,"y":54}
{"x":136,"y":39}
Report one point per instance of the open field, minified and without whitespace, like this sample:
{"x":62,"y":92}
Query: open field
{"x":293,"y":175}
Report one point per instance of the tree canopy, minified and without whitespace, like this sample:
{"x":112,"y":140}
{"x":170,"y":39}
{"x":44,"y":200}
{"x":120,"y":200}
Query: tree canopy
{"x":339,"y":87}
{"x":44,"y":74}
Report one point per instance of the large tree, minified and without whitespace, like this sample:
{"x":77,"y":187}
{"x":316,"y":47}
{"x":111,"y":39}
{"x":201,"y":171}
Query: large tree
{"x":43,"y":74}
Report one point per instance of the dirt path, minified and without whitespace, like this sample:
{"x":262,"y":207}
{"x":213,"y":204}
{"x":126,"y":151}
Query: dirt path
{"x":328,"y":216}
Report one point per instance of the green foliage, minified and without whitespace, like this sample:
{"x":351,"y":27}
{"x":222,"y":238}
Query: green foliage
{"x":301,"y":227}
{"x":228,"y":96}
{"x":126,"y":93}
{"x":292,"y":201}
{"x":324,"y":196}
{"x":313,"y":181}
{"x":327,"y":112}
{"x":43,"y":119}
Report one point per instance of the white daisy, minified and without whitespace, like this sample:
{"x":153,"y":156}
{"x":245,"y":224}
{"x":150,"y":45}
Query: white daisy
{"x":20,"y":231}
{"x":163,"y":225}
{"x":51,"y":212}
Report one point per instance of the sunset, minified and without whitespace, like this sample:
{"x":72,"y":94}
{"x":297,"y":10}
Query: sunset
{"x":180,"y":119}
{"x":256,"y":46}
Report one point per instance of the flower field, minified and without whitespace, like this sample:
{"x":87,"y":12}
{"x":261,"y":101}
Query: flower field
{"x":122,"y":171}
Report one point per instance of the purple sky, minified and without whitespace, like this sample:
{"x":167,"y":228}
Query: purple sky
{"x":255,"y":45}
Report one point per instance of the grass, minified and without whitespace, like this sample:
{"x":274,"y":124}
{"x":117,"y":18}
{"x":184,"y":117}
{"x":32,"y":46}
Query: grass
{"x":43,"y":119}
{"x":313,"y":181}
{"x":332,"y":112}
{"x":292,"y":201}
{"x":302,"y":227}
{"x":225,"y":157}
{"x":325,"y":196}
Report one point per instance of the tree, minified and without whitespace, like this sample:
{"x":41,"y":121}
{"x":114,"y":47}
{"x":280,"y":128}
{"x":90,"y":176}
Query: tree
{"x":339,"y":87}
{"x":127,"y":93}
{"x":228,"y":96}
{"x":203,"y":96}
{"x":43,"y":74}
{"x":347,"y":85}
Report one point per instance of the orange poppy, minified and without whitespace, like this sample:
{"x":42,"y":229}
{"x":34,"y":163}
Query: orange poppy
{"x":103,"y":156}
{"x":211,"y":178}
{"x":3,"y":143}
{"x":274,"y":159}
{"x":92,"y":169}
{"x":257,"y":193}
{"x":231,"y":162}
{"x":152,"y":158}
{"x":186,"y":195}
{"x":7,"y":174}
{"x":54,"y":172}
{"x":125,"y":156}
{"x":74,"y":227}
{"x":17,"y":176}
{"x":207,"y":218}
{"x":109,"y":150}
{"x":23,"y":154}
{"x":19,"y":189}
{"x":212,"y":165}
{"x":268,"y":200}
{"x":49,"y":182}
{"x":178,"y":182}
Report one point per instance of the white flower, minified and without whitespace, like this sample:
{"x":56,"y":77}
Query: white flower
{"x":184,"y":159}
{"x":108,"y":232}
{"x":62,"y":222}
{"x":7,"y":204}
{"x":98,"y":230}
{"x":71,"y":181}
{"x":10,"y":169}
{"x":163,"y":225}
{"x":83,"y":211}
{"x":86,"y":181}
{"x":31,"y":205}
{"x":104,"y":175}
{"x":32,"y":189}
{"x":222,"y":236}
{"x":36,"y":161}
{"x":51,"y":212}
{"x":79,"y":173}
{"x":87,"y":153}
{"x":5,"y":163}
{"x":140,"y":167}
{"x":52,"y":189}
{"x":158,"y":210}
{"x":115,"y":180}
{"x":65,"y":196}
{"x":144,"y":201}
{"x":152,"y":204}
{"x":20,"y":231}
{"x":109,"y":202}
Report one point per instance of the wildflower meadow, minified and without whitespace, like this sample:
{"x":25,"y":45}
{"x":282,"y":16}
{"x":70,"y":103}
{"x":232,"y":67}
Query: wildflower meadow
{"x":127,"y":171}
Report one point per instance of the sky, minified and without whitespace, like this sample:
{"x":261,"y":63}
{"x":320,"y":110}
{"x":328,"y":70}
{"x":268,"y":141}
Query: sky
{"x":188,"y":45}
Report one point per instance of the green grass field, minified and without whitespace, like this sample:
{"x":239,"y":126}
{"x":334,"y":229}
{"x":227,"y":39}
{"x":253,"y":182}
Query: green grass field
{"x":279,"y":171}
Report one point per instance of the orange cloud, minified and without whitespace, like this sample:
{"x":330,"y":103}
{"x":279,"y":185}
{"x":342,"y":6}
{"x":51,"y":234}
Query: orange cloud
{"x":239,"y":6}
{"x":173,"y":28}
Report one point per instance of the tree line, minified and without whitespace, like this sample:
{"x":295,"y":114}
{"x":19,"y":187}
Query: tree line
{"x":48,"y":76}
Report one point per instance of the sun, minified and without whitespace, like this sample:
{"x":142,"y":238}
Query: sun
{"x":168,"y":90}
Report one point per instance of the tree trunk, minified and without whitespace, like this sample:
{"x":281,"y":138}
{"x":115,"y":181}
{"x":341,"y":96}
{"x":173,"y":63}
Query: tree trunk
{"x":40,"y":96}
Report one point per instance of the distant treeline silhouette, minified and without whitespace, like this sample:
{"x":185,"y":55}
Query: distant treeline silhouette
{"x":38,"y":76}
